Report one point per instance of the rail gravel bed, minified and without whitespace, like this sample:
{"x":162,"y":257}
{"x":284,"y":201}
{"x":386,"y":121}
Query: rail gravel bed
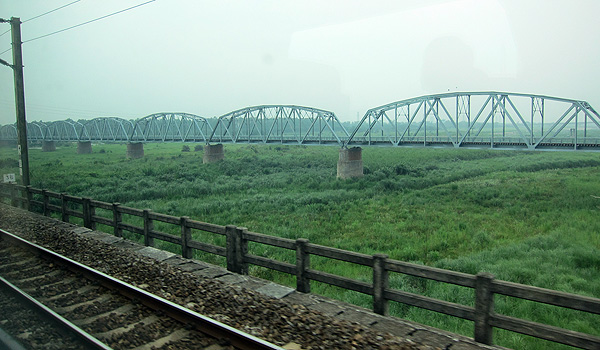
{"x":280,"y":321}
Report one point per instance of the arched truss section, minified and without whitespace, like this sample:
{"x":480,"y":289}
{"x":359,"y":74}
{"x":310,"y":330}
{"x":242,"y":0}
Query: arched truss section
{"x":179,"y":127}
{"x":281,"y":124}
{"x":8,"y":132}
{"x":62,"y":130}
{"x":107,"y":129}
{"x":494,"y":119}
{"x":36,"y":131}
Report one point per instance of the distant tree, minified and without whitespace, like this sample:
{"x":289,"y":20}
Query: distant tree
{"x":185,"y":148}
{"x":198,"y":148}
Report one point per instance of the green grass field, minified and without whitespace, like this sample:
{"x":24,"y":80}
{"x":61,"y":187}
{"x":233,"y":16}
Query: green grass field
{"x":526,"y":217}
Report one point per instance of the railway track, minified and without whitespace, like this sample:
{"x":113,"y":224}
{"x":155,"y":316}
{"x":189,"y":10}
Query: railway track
{"x":99,"y":311}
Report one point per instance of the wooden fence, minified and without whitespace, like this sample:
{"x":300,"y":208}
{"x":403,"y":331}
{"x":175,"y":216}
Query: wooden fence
{"x":238,"y":258}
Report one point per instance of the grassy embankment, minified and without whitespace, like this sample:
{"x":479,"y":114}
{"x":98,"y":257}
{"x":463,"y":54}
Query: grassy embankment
{"x":527,"y":217}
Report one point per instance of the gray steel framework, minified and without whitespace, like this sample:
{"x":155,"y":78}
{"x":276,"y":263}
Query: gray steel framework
{"x":106,"y":129}
{"x":62,"y":130}
{"x":165,"y":127}
{"x":9,"y":132}
{"x":280,"y":124}
{"x":501,"y":120}
{"x":459,"y":119}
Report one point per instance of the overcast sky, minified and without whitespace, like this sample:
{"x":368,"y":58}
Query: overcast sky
{"x":211,"y":57}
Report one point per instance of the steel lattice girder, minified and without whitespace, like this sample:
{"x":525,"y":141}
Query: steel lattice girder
{"x":459,"y":119}
{"x":107,"y":129}
{"x":502,"y":120}
{"x":35,"y":131}
{"x":8,"y":132}
{"x":171,"y":127}
{"x":278,"y":123}
{"x":62,"y":130}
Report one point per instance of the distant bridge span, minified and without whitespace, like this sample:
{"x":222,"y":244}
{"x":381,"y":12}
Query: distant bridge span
{"x":481,"y":119}
{"x":458,"y":119}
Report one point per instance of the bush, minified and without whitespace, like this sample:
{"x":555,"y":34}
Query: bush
{"x":9,"y":163}
{"x":198,"y":148}
{"x":185,"y":148}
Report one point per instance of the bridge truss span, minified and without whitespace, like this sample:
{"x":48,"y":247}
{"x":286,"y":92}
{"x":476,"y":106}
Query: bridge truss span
{"x":482,"y":119}
{"x":280,"y":124}
{"x":175,"y":127}
{"x":107,"y":129}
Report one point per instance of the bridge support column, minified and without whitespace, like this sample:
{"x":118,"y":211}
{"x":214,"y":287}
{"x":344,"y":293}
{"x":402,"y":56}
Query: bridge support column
{"x":48,"y":146}
{"x":135,"y":150}
{"x":84,"y":147}
{"x":350,"y":164}
{"x":213,"y":153}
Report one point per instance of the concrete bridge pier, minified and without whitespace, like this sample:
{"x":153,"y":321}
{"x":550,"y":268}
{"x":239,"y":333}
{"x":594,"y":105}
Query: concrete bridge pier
{"x":350,"y":164}
{"x":84,"y":147}
{"x":48,"y":146}
{"x":135,"y":150}
{"x":213,"y":153}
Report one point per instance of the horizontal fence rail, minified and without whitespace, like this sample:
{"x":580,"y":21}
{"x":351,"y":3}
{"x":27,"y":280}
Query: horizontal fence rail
{"x":238,"y":259}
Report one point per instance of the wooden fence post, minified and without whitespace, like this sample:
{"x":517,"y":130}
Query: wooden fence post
{"x":29,"y":197}
{"x":63,"y":207}
{"x":13,"y":196}
{"x":302,"y":265}
{"x":148,"y":227}
{"x":484,"y":306}
{"x":117,"y":219}
{"x":230,"y":247}
{"x":88,"y":214}
{"x":45,"y":201}
{"x":380,"y":283}
{"x":241,"y":250}
{"x":186,"y":237}
{"x":235,"y":250}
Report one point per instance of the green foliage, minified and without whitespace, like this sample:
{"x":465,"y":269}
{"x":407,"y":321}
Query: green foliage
{"x":527,"y":217}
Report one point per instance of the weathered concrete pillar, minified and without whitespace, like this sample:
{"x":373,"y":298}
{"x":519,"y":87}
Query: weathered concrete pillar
{"x":350,"y":164}
{"x":48,"y":146}
{"x":84,"y":147}
{"x":135,"y":150}
{"x":213,"y":153}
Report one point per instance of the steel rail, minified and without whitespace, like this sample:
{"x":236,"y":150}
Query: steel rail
{"x":51,"y":316}
{"x":202,"y":323}
{"x":9,"y":343}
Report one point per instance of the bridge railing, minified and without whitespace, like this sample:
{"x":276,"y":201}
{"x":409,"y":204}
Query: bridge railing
{"x":236,"y":252}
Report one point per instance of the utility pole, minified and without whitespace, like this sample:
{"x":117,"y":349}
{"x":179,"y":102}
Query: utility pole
{"x":17,"y":66}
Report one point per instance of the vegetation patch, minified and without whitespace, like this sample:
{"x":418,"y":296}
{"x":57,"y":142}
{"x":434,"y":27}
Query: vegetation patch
{"x":527,"y":217}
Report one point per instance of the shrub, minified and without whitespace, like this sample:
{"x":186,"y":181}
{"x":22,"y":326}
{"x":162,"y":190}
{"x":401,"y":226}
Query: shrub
{"x":185,"y":148}
{"x":9,"y":163}
{"x":198,"y":148}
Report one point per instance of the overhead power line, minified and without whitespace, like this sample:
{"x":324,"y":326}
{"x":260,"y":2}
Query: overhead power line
{"x":56,"y":9}
{"x":88,"y":22}
{"x":45,"y":13}
{"x":5,"y":51}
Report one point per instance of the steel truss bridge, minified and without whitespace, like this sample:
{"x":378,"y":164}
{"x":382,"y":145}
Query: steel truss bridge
{"x":459,"y":119}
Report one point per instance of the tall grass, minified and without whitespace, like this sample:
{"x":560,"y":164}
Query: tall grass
{"x":527,"y":217}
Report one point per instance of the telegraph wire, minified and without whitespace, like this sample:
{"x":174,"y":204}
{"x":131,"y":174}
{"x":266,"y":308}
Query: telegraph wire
{"x":56,"y":9}
{"x":84,"y":23}
{"x":45,"y":13}
{"x":5,"y":51}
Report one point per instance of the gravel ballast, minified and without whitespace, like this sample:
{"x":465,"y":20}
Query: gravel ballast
{"x":277,"y":321}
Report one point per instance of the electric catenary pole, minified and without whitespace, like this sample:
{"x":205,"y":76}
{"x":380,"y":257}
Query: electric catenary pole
{"x":17,"y":66}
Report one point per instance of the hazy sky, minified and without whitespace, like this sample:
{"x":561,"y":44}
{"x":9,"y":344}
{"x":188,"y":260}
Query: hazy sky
{"x":212,"y":57}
